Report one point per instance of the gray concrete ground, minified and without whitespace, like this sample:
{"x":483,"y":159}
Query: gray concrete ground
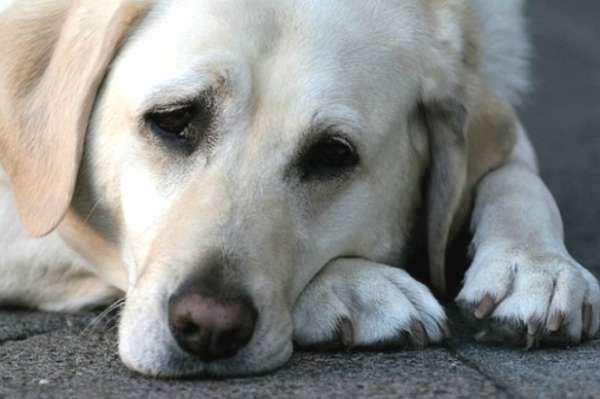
{"x":59,"y":356}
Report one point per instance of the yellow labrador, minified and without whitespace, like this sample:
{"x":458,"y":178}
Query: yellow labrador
{"x":248,"y":174}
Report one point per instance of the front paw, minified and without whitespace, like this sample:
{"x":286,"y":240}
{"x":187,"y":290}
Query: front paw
{"x":357,"y":303}
{"x":527,"y":300}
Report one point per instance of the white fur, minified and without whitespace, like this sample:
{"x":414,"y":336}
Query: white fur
{"x":309,"y":254}
{"x":4,"y":4}
{"x":344,"y":289}
{"x":43,"y":272}
{"x":506,"y":49}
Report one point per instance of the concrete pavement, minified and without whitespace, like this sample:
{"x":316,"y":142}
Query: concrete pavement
{"x":60,"y":356}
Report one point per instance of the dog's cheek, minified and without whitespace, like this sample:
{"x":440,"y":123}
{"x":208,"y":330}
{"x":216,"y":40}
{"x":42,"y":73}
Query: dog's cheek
{"x":142,"y":205}
{"x":141,"y":200}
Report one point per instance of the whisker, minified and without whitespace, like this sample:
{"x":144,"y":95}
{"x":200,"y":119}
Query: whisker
{"x":102,"y":316}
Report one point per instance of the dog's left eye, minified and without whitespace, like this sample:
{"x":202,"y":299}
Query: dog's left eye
{"x":329,"y":157}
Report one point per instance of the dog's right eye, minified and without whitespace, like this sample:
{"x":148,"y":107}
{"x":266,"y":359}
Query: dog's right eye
{"x":175,"y":126}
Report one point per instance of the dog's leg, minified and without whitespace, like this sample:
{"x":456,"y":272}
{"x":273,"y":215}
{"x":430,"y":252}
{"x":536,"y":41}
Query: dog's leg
{"x":523,"y":287}
{"x":355,"y":302}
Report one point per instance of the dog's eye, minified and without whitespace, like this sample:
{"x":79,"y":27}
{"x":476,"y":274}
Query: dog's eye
{"x":328,"y":158}
{"x":174,"y":125}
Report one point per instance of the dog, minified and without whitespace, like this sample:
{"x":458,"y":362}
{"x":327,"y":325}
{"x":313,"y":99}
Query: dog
{"x":250,"y":175}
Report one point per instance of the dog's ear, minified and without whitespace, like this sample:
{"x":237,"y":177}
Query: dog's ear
{"x":445,"y":113}
{"x":445,"y":121}
{"x":54,"y":56}
{"x":468,"y":138}
{"x":470,"y":130}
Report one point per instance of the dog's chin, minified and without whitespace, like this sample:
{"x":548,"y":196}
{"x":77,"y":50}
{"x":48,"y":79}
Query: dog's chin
{"x":173,"y":363}
{"x":153,"y":352}
{"x":169,"y":361}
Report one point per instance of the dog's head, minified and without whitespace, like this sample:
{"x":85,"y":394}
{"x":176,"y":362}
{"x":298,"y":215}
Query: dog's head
{"x":232,"y":149}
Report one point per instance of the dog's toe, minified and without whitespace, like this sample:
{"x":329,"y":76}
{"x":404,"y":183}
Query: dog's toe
{"x":357,"y":303}
{"x":547,"y":300}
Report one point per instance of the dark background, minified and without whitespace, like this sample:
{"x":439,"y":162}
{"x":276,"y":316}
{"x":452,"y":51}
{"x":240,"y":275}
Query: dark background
{"x":562,"y":115}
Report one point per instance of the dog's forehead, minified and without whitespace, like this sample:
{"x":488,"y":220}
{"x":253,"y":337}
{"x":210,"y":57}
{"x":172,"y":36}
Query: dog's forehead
{"x":287,"y":50}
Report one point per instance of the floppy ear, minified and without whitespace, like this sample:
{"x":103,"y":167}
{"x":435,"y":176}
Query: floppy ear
{"x":445,"y":122}
{"x":467,"y":139}
{"x":54,"y":57}
{"x":471,"y":131}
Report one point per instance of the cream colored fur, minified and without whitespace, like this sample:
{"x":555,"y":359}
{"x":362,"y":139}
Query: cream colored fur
{"x":424,"y":91}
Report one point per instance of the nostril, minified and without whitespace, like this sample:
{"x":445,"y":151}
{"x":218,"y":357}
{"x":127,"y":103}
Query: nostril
{"x":209,"y":326}
{"x":185,"y":326}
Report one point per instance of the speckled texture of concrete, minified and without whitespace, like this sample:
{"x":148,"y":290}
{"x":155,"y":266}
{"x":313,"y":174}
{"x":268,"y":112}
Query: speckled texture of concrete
{"x":71,"y":364}
{"x":57,"y":356}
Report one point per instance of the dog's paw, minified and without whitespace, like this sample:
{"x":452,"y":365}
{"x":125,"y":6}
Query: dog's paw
{"x":529,"y":300}
{"x":357,"y":303}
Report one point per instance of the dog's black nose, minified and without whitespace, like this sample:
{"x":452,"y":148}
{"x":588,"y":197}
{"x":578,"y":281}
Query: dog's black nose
{"x":210,"y":326}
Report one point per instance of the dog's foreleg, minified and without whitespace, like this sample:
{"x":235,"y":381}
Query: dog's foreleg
{"x":523,"y":287}
{"x":353,"y":302}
